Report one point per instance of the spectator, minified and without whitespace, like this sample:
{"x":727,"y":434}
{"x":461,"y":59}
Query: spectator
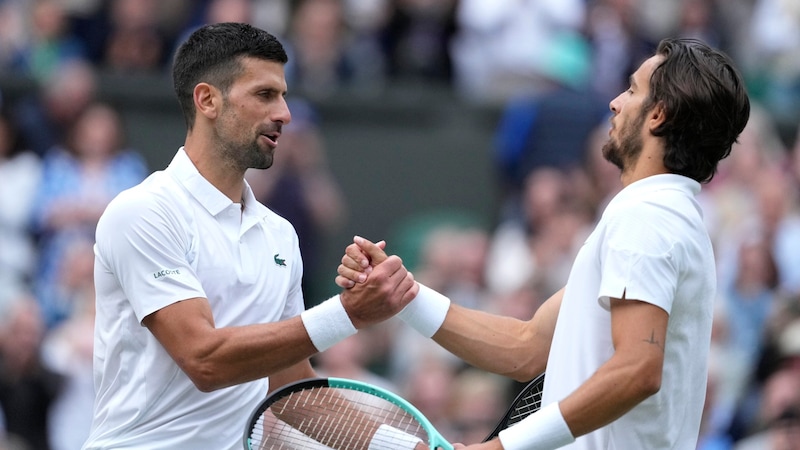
{"x":522,"y":39}
{"x":477,"y":401}
{"x":417,"y":38}
{"x":321,"y":52}
{"x":45,"y":116}
{"x":20,"y":172}
{"x":52,"y":43}
{"x":80,"y":177}
{"x":773,"y":55}
{"x":13,"y":37}
{"x":135,"y":43}
{"x":778,"y":421}
{"x":27,"y":388}
{"x":618,"y":42}
{"x":67,"y":350}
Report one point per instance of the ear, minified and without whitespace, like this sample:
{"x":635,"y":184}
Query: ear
{"x":656,"y":116}
{"x":207,"y":100}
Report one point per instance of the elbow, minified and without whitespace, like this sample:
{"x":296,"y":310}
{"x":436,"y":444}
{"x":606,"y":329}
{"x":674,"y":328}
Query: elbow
{"x":529,"y":368}
{"x":203,"y":380}
{"x":652,"y":386}
{"x":524,"y":374}
{"x":203,"y":375}
{"x":649,"y":381}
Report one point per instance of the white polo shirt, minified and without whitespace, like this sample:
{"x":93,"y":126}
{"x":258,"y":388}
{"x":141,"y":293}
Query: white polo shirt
{"x":171,"y":238}
{"x":651,"y":244}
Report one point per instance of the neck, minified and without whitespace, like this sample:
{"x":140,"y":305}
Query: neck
{"x":649,"y":162}
{"x":228,"y":180}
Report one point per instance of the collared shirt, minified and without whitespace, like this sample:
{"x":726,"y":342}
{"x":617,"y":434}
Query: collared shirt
{"x":651,"y":245}
{"x":171,"y":238}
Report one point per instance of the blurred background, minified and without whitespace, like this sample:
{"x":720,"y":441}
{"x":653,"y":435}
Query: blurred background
{"x":464,"y":132}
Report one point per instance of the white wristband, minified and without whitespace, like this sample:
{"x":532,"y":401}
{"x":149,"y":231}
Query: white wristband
{"x":390,"y":438}
{"x":327,"y":323}
{"x":542,"y":430}
{"x":426,"y":312}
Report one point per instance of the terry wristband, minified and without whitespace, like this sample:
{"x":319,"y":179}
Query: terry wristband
{"x":542,"y":430}
{"x":390,"y":438}
{"x":327,"y":323}
{"x":426,"y":312}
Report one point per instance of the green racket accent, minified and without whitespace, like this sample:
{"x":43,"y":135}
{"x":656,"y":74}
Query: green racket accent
{"x":436,"y":439}
{"x":305,"y":415}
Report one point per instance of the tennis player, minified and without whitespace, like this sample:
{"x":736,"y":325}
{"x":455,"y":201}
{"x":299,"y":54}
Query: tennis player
{"x":625,"y":344}
{"x":198,"y":285}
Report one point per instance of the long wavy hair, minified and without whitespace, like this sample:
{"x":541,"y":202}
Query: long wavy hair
{"x":706,"y":106}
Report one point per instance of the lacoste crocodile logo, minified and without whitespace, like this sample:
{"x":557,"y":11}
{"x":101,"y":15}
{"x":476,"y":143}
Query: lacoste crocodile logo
{"x":279,"y":261}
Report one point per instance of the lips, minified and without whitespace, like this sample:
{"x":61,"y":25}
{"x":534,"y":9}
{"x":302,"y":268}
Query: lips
{"x":272,"y":138}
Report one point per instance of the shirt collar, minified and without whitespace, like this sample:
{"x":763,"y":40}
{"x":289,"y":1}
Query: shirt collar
{"x":660,"y":182}
{"x":206,"y":194}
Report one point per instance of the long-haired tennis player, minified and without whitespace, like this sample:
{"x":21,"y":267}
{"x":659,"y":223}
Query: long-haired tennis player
{"x":625,"y":342}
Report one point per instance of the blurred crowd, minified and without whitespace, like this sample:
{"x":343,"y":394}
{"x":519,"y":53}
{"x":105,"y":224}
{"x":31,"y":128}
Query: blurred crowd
{"x":550,"y":66}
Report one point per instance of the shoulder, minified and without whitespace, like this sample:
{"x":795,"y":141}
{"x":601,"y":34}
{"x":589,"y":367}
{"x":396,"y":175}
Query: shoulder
{"x":156,"y":200}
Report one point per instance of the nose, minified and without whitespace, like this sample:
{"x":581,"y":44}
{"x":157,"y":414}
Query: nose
{"x":283,"y":115}
{"x":613,"y":105}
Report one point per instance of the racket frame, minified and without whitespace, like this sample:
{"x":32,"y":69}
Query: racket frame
{"x":537,"y":385}
{"x":435,"y":439}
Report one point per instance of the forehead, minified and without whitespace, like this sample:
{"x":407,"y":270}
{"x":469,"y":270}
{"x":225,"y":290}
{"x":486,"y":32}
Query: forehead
{"x":642,"y":75}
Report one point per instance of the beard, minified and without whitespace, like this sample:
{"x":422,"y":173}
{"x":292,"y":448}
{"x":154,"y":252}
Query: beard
{"x":623,"y":151}
{"x":239,"y":148}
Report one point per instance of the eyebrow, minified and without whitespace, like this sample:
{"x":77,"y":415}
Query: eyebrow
{"x":631,"y":80}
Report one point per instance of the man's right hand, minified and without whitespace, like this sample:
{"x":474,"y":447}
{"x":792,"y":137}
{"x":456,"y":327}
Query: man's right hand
{"x":376,"y":286}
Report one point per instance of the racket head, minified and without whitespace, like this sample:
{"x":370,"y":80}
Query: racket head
{"x":527,"y":402}
{"x":317,"y":405}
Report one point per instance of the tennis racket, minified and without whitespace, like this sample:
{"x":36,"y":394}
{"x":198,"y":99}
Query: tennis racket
{"x":527,"y":402}
{"x":338,"y":414}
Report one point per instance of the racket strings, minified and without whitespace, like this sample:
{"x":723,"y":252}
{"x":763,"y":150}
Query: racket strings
{"x":528,"y":403}
{"x":330,"y":418}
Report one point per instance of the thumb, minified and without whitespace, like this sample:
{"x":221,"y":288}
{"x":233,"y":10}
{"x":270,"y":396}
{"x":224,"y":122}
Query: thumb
{"x":374,"y":251}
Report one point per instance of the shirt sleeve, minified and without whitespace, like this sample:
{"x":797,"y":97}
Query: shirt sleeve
{"x":639,"y":259}
{"x":144,"y":244}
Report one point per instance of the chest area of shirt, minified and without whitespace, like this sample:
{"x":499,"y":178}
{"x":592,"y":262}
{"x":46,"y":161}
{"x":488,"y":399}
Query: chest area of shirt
{"x":223,"y":249}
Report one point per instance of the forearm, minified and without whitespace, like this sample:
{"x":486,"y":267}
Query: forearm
{"x":504,"y":345}
{"x":607,"y":395}
{"x":234,"y":355}
{"x":498,"y":344}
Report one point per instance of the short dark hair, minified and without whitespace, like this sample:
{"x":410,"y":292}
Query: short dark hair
{"x":211,"y":54}
{"x":706,"y":106}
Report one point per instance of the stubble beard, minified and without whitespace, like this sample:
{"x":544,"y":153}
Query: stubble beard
{"x":240,"y":150}
{"x":624,"y":151}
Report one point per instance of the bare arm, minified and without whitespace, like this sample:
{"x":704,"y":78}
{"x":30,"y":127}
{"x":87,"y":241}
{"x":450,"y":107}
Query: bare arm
{"x":214,"y":358}
{"x":503,"y":345}
{"x":630,"y":376}
{"x":220,"y":357}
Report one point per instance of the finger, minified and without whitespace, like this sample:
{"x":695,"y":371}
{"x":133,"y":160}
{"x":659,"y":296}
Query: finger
{"x":374,"y":252}
{"x":359,"y":256}
{"x":354,"y":275}
{"x":344,"y":283}
{"x":410,"y":288}
{"x":352,"y":264}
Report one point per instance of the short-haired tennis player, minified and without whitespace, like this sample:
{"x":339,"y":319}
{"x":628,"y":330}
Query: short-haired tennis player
{"x":198,"y":285}
{"x":625,"y":344}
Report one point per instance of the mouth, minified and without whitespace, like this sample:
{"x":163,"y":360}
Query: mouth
{"x":272,"y":139}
